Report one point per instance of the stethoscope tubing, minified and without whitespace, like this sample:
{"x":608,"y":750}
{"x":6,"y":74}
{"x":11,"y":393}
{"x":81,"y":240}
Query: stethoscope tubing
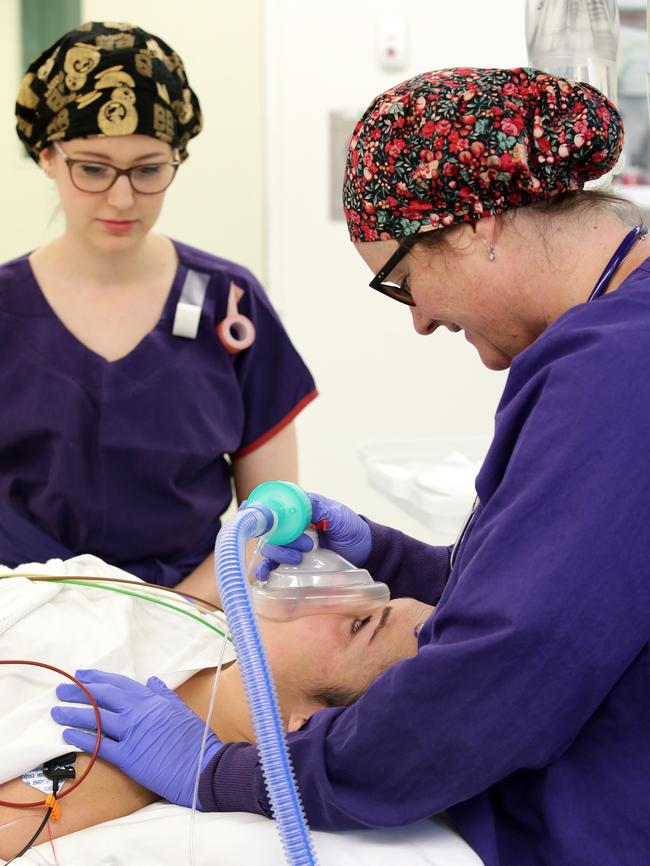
{"x":639,"y":232}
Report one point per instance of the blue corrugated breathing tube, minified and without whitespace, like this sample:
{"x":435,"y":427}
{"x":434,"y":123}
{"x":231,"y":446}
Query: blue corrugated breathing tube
{"x":281,"y":511}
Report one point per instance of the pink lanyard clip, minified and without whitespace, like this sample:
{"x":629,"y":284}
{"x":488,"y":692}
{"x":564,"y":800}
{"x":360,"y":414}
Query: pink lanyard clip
{"x":236,"y":331}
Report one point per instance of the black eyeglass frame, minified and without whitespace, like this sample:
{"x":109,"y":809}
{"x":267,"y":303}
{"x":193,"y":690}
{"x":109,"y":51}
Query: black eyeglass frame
{"x":403,"y":296}
{"x":70,"y":162}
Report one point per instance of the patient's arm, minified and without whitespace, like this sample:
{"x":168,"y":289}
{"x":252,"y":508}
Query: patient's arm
{"x":107,"y":793}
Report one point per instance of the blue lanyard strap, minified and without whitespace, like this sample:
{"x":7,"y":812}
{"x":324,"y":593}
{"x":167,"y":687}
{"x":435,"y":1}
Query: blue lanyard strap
{"x":637,"y":233}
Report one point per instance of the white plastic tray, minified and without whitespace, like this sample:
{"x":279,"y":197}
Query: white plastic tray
{"x":432,"y":478}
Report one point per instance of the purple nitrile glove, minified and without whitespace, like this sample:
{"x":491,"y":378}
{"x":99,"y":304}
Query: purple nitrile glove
{"x":287,"y":554}
{"x":147,"y":731}
{"x":347,"y":534}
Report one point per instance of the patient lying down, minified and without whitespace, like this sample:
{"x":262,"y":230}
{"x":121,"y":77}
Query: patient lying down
{"x":317,"y":661}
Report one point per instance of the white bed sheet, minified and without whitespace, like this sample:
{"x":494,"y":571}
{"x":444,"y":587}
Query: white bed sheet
{"x":92,"y":628}
{"x":71,"y":628}
{"x":159,"y":836}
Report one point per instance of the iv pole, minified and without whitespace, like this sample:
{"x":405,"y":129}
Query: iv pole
{"x":575,"y":39}
{"x":578,"y":40}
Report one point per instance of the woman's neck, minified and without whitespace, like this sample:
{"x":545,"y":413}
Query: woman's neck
{"x":104,"y":267}
{"x":231,"y":719}
{"x":562,"y":271}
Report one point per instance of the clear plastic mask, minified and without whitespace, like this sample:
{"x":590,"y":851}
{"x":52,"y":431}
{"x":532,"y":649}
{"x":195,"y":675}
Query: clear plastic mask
{"x":323,"y":582}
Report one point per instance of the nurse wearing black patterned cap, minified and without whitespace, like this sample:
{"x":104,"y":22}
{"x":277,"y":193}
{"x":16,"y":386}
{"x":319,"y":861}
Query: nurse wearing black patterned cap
{"x":141,"y":373}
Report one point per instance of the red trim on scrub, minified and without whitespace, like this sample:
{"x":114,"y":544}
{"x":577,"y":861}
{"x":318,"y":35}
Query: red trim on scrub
{"x":248,"y":449}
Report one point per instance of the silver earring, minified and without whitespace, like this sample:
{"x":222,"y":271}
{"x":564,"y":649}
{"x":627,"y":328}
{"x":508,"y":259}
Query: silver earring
{"x":490,"y":251}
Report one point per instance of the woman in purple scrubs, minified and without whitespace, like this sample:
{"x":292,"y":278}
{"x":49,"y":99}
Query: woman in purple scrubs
{"x":140,"y":376}
{"x":525,"y":714}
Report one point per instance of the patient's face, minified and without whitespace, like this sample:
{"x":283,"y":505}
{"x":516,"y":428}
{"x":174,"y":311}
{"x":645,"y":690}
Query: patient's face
{"x":345,"y":651}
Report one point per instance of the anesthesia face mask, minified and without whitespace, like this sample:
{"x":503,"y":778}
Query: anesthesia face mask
{"x":323,"y":582}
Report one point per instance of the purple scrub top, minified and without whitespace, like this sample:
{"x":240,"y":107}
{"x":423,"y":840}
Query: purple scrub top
{"x":130,"y":459}
{"x":526,"y":712}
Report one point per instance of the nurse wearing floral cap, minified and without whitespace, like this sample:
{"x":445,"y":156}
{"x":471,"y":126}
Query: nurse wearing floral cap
{"x":525,"y":715}
{"x":141,"y":377}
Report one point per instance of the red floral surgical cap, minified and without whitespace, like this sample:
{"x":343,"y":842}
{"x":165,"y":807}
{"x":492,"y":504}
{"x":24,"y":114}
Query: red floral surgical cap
{"x":455,"y":145}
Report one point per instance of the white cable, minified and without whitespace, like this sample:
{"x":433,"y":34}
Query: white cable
{"x":213,"y":698}
{"x":258,"y":549}
{"x":204,"y":739}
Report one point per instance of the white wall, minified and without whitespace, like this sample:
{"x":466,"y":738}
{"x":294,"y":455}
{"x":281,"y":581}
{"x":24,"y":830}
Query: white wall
{"x":377,"y":377}
{"x":27,"y":206}
{"x":216,"y":200}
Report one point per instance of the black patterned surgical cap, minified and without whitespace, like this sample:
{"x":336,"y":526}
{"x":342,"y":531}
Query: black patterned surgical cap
{"x":107,"y":79}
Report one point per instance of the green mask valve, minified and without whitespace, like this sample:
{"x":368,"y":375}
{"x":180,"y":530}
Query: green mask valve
{"x":289,"y":503}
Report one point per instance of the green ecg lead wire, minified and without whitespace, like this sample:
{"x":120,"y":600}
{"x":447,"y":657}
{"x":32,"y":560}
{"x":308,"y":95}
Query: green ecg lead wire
{"x":143,"y":596}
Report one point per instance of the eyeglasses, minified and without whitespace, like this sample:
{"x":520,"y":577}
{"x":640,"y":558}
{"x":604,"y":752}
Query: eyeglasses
{"x":396,"y":291}
{"x":100,"y":176}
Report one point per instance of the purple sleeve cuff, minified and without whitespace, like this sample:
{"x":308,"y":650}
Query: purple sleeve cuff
{"x":232,"y":782}
{"x":410,"y":567}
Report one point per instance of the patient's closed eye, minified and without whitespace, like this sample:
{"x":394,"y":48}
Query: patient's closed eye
{"x":358,"y":624}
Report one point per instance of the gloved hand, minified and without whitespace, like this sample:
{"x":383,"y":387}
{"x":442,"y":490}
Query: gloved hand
{"x":347,"y":534}
{"x":147,"y":731}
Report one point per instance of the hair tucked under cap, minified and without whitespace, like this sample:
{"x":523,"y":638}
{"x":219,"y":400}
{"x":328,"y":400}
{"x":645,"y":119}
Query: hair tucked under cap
{"x":106,"y":79}
{"x":455,"y":145}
